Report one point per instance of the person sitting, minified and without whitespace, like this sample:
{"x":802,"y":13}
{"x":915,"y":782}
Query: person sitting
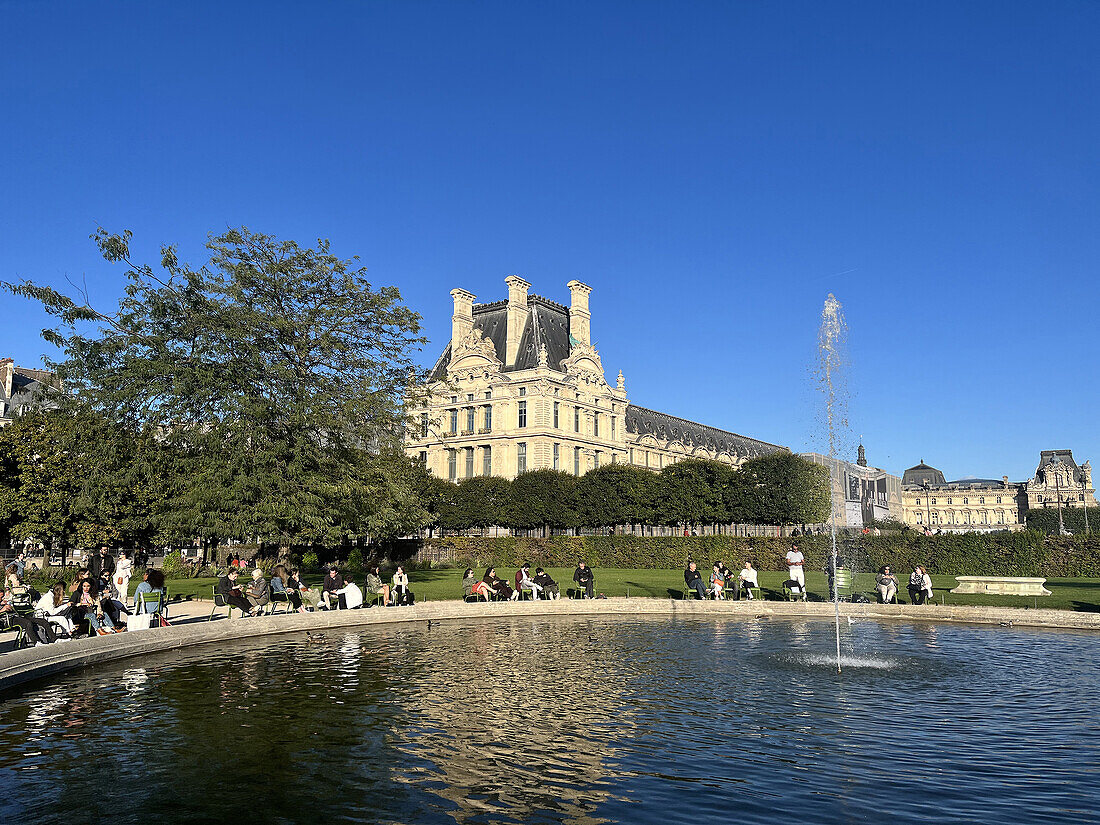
{"x":694,"y":581}
{"x":920,"y":586}
{"x":152,"y":581}
{"x":747,"y":579}
{"x":525,"y":582}
{"x":306,"y":595}
{"x":333,"y":582}
{"x":350,"y":595}
{"x":585,"y":580}
{"x":35,"y":630}
{"x":56,"y":608}
{"x":377,"y":587}
{"x":717,"y":582}
{"x":549,"y":586}
{"x":401,"y":592}
{"x":468,"y":582}
{"x":87,"y":604}
{"x":259,"y":592}
{"x":230,"y":591}
{"x":479,"y":588}
{"x":280,"y":583}
{"x":887,"y":584}
{"x":499,"y":587}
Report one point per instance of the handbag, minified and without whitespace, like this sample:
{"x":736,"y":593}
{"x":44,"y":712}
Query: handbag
{"x":138,"y":621}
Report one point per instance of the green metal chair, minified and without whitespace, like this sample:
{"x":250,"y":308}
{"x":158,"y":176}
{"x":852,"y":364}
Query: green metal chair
{"x":279,"y":597}
{"x":219,"y":601}
{"x":842,"y":584}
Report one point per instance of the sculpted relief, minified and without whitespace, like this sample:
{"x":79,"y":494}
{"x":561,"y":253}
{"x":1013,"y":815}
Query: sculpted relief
{"x":474,"y":354}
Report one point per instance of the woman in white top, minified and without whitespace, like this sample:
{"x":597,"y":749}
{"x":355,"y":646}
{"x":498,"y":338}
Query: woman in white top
{"x":401,"y":592}
{"x":748,"y":578}
{"x":120,"y":579}
{"x":352,"y":595}
{"x":56,"y":607}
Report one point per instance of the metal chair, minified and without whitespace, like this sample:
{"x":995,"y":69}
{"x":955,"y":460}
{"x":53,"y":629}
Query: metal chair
{"x":219,"y":601}
{"x":279,"y":596}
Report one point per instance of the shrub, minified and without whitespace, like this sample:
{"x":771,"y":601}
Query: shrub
{"x":310,"y":562}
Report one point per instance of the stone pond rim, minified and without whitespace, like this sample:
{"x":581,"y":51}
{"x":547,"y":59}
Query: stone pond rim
{"x":22,"y":666}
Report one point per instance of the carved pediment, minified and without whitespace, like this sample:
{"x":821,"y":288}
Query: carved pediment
{"x":584,"y":363}
{"x":474,"y":352}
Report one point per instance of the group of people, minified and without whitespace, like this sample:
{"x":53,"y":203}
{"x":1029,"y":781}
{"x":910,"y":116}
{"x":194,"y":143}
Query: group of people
{"x":722,"y":581}
{"x":919,"y":587}
{"x":337,"y":591}
{"x":493,"y":588}
{"x":95,"y":602}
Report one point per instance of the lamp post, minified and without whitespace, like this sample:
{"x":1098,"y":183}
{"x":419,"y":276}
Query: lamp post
{"x":1058,"y":491}
{"x":1085,"y":501}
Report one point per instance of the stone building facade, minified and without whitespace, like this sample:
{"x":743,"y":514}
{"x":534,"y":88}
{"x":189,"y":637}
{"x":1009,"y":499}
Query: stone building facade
{"x":931,"y":502}
{"x":20,"y":388}
{"x":860,"y":494}
{"x":521,"y":387}
{"x":1059,"y":479}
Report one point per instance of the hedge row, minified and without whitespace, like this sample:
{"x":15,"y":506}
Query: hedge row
{"x":997,"y":554}
{"x":1045,"y":519}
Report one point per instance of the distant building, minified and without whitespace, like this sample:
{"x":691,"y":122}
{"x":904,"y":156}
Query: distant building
{"x":860,"y":494}
{"x":967,"y":505}
{"x":1059,"y":479}
{"x":521,"y":387}
{"x":19,"y":388}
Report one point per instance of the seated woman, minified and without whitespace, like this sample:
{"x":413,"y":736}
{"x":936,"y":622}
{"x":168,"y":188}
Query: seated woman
{"x":401,"y":592}
{"x":87,"y":605}
{"x":499,"y":587}
{"x":377,"y":587}
{"x":525,"y":582}
{"x":56,"y":608}
{"x":887,"y":584}
{"x":478,"y":588}
{"x":548,"y":585}
{"x":350,"y":595}
{"x":35,"y":630}
{"x":468,"y":582}
{"x":280,"y":583}
{"x":747,"y":579}
{"x":152,"y":581}
{"x":717,"y":583}
{"x":258,"y":592}
{"x":917,"y":593}
{"x":306,"y":595}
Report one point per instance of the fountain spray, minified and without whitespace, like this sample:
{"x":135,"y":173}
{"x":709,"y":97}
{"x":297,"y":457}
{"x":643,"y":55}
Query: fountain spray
{"x":830,"y":346}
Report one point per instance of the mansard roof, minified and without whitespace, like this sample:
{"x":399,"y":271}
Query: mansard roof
{"x":922,"y":475}
{"x":547,"y":326}
{"x":661,"y":425}
{"x":1047,"y":457}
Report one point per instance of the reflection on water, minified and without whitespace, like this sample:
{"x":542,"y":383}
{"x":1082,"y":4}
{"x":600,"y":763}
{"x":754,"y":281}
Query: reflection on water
{"x":571,"y":720}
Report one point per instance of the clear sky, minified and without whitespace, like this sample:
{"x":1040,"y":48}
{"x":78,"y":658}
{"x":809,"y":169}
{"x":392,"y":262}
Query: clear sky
{"x":712,"y":170}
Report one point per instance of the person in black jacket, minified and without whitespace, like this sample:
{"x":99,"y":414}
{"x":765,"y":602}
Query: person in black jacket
{"x":585,"y":579}
{"x":227,"y":587}
{"x":333,"y":582}
{"x":694,"y":580}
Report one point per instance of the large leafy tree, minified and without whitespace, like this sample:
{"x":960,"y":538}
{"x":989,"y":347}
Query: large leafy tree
{"x":695,"y":491}
{"x":785,"y":489}
{"x":542,"y":499}
{"x":274,"y":374}
{"x":616,"y":494}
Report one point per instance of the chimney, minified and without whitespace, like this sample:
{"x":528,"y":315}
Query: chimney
{"x":579,"y":316}
{"x":7,"y":373}
{"x":517,"y":316}
{"x":463,"y":319}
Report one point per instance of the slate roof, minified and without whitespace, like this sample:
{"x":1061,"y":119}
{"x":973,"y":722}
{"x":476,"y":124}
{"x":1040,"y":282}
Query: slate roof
{"x":547,"y":325}
{"x":1065,"y":456}
{"x":642,"y":421}
{"x":922,"y":475}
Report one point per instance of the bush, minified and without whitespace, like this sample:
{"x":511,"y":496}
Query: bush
{"x":174,"y":567}
{"x":1045,"y":520}
{"x":355,"y":561}
{"x":310,"y":562}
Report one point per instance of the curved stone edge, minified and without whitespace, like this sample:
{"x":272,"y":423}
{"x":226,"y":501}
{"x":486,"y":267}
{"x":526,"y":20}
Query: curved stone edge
{"x":23,"y":666}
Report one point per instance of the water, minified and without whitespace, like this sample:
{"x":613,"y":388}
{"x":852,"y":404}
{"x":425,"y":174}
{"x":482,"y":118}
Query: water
{"x":571,"y":720}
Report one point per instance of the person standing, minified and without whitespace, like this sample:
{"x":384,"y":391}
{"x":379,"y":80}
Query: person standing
{"x":120,"y":579}
{"x":795,"y":572}
{"x":17,"y":565}
{"x":585,"y":580}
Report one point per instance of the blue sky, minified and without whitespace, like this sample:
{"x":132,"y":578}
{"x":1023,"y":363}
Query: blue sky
{"x":712,"y":170}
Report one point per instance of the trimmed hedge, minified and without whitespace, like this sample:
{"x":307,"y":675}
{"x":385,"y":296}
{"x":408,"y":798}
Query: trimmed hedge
{"x":997,"y":554}
{"x":1045,"y":520}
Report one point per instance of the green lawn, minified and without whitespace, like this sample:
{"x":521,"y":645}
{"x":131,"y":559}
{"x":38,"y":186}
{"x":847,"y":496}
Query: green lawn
{"x":433,"y":585}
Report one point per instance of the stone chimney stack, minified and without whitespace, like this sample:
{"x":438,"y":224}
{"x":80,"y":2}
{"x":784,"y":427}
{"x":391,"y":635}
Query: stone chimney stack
{"x":1004,"y":480}
{"x":517,"y":315}
{"x":7,"y":373}
{"x":463,"y":319}
{"x":580,"y":318}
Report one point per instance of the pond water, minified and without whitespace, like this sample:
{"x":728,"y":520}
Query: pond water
{"x":579,"y":720}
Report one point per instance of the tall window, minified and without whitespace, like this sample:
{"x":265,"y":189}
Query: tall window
{"x":454,"y":421}
{"x":521,"y":457}
{"x":488,"y":418}
{"x":576,"y":461}
{"x":556,"y":424}
{"x":596,"y":459}
{"x":596,"y":425}
{"x":576,"y":419}
{"x":469,"y":462}
{"x":486,"y":460}
{"x":424,"y":457}
{"x":522,"y":391}
{"x":557,"y":453}
{"x":423,"y":425}
{"x":612,"y":428}
{"x":632,"y":459}
{"x":470,"y":412}
{"x":452,"y":465}
{"x":522,"y":414}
